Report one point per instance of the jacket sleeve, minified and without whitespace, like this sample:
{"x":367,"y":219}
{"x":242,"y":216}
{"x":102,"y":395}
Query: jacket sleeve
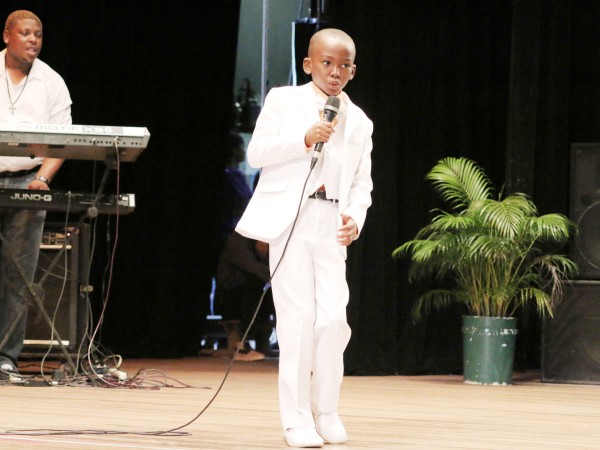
{"x":279,"y":133}
{"x":359,"y":197}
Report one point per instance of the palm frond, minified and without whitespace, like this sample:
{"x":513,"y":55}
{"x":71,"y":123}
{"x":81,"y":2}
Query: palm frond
{"x":543,"y":301}
{"x":459,"y":181}
{"x":433,"y":300}
{"x":553,"y":228}
{"x":505,"y":217}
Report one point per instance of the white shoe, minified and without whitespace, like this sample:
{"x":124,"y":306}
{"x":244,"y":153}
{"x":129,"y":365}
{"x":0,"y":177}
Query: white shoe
{"x":302,"y":437}
{"x":331,"y":429}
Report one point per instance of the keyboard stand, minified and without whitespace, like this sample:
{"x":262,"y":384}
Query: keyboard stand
{"x":35,"y":290}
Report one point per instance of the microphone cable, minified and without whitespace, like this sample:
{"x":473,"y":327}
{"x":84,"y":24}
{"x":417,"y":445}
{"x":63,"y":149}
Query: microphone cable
{"x":253,"y":319}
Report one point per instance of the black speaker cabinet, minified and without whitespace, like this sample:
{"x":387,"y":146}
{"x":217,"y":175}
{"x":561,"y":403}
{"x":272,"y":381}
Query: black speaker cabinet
{"x":58,"y":275}
{"x":585,"y":209}
{"x":571,"y":340}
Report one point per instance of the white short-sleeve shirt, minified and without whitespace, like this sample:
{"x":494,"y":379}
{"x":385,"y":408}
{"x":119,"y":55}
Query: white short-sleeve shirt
{"x":43,"y":97}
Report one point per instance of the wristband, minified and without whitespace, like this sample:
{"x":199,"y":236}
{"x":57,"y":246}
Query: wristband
{"x":43,"y":179}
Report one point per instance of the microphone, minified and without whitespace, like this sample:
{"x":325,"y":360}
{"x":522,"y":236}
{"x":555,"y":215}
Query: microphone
{"x":332,"y":107}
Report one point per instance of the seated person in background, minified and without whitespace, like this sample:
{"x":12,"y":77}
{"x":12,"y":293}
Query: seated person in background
{"x":236,"y":190}
{"x":234,"y":195}
{"x":242,"y":273}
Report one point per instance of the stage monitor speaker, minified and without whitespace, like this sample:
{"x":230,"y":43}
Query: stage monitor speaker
{"x":571,"y":339}
{"x":58,"y":276}
{"x":585,"y":209}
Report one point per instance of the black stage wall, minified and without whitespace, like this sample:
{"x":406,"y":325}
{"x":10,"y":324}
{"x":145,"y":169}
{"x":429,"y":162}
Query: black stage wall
{"x":169,"y":67}
{"x":509,"y":84}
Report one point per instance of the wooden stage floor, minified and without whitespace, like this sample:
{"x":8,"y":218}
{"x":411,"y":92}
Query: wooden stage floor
{"x":392,"y":412}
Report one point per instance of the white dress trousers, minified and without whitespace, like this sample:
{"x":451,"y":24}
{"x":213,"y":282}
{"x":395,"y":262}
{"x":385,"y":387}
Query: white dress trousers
{"x":310,"y":293}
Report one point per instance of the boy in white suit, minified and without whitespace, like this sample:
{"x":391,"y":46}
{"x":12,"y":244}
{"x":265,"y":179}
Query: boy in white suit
{"x":309,"y":283}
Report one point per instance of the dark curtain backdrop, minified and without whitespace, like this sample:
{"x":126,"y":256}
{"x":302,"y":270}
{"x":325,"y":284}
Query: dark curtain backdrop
{"x":509,"y":84}
{"x":167,"y":66}
{"x":433,"y":76}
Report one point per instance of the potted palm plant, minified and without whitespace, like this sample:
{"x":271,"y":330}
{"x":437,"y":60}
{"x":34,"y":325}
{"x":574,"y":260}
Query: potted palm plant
{"x":499,"y":256}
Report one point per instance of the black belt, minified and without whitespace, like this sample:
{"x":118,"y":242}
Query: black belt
{"x":18,"y":173}
{"x":322,"y":195}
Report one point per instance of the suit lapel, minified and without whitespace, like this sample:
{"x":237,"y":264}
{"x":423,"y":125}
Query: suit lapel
{"x":306,"y":103}
{"x":351,"y":121}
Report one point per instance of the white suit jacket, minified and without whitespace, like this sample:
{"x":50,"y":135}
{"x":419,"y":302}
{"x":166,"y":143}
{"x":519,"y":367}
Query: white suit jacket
{"x":277,"y":146}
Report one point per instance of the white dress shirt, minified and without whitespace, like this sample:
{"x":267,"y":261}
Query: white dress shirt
{"x":328,"y":169}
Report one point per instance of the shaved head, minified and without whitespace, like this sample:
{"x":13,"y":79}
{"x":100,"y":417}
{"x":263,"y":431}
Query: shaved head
{"x":331,"y":35}
{"x":20,"y":15}
{"x":330,"y":60}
